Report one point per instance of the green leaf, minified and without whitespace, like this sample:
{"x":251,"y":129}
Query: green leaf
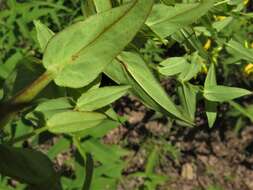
{"x":211,"y":77}
{"x":100,"y":130}
{"x":140,"y":72}
{"x":191,"y":70}
{"x":28,"y":166}
{"x":7,"y":68}
{"x":221,"y":24}
{"x":240,"y":51}
{"x":105,"y":154}
{"x":211,"y":107}
{"x":78,"y":54}
{"x":173,"y":66}
{"x":61,"y":145}
{"x":211,"y":112}
{"x":44,"y":34}
{"x":188,"y":95}
{"x":151,"y":162}
{"x":221,"y":93}
{"x":244,"y":111}
{"x":165,"y":20}
{"x":49,"y":108}
{"x":72,"y":121}
{"x":117,"y":73}
{"x":100,"y":97}
{"x":102,"y":5}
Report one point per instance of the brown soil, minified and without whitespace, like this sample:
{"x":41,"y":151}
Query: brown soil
{"x":215,"y":156}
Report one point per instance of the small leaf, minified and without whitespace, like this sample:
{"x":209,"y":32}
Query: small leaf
{"x":211,"y":77}
{"x":244,"y":111}
{"x":72,"y":121}
{"x":188,"y":95}
{"x":211,"y":107}
{"x":173,"y":66}
{"x":78,"y":54}
{"x":151,"y":162}
{"x":221,"y":93}
{"x":211,"y":112}
{"x":44,"y":34}
{"x":100,"y":97}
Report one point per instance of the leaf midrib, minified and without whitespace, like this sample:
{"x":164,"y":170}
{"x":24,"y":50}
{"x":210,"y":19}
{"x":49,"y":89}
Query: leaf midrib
{"x":77,"y":54}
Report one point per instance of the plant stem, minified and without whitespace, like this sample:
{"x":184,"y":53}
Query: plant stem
{"x":89,"y":164}
{"x":221,"y":2}
{"x":31,"y":91}
{"x":10,"y":108}
{"x":89,"y":172}
{"x":29,"y":135}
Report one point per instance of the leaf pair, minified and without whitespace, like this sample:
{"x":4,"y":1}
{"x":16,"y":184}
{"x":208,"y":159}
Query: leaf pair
{"x":130,"y":68}
{"x":60,"y":118}
{"x":218,"y":93}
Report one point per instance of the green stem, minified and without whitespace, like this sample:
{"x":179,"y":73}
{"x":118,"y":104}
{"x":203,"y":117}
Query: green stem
{"x":29,"y":135}
{"x":31,"y":91}
{"x":89,"y":164}
{"x":10,"y":108}
{"x":89,"y":172}
{"x":221,"y":2}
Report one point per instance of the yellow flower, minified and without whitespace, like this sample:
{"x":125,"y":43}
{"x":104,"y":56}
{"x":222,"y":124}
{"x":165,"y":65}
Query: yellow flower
{"x":208,"y":44}
{"x":204,"y":69}
{"x":248,"y":68}
{"x":245,"y":2}
{"x":219,"y":18}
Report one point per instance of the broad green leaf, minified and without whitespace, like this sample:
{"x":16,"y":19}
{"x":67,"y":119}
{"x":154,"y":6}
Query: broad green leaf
{"x":211,"y":107}
{"x":221,"y":93}
{"x":44,"y":34}
{"x":165,"y":20}
{"x":173,"y":66}
{"x":100,"y":97}
{"x":78,"y":54}
{"x":140,"y":72}
{"x":73,"y":121}
{"x":102,"y":5}
{"x":28,"y":166}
